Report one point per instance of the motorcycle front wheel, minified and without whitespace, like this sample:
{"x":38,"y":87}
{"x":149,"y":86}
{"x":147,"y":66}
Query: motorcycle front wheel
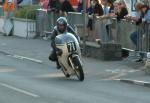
{"x":78,"y":68}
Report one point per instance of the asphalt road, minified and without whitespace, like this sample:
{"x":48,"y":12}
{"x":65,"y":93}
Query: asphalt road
{"x":23,"y":81}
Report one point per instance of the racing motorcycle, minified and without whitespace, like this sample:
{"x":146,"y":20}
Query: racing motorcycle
{"x":69,"y":55}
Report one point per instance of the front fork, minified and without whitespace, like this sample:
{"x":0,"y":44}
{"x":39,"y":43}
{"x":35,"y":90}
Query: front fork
{"x":72,"y":62}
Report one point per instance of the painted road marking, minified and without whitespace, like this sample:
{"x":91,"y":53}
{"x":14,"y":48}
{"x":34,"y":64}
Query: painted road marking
{"x":27,"y":58}
{"x":136,"y":82}
{"x":54,"y":75}
{"x":7,"y":70}
{"x":119,"y":73}
{"x":50,"y":75}
{"x":115,"y":76}
{"x":19,"y":90}
{"x":21,"y":57}
{"x":116,"y":71}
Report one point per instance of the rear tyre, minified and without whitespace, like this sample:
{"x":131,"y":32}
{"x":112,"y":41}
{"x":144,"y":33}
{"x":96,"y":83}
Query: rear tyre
{"x":78,"y":68}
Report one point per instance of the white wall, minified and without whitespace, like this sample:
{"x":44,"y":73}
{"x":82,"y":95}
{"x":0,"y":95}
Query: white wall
{"x":1,"y":25}
{"x":20,"y":28}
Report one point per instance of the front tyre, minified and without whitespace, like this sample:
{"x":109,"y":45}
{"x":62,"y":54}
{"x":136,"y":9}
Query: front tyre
{"x":78,"y":68}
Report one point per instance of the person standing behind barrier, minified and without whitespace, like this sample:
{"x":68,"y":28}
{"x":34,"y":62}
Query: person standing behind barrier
{"x":145,"y":18}
{"x":122,"y":10}
{"x":94,"y":10}
{"x":146,"y":2}
{"x":115,"y":7}
{"x":111,"y":5}
{"x":44,"y":4}
{"x":54,"y":6}
{"x":80,"y":6}
{"x":54,"y":9}
{"x":105,"y":7}
{"x":9,"y":8}
{"x":108,"y":9}
{"x":65,"y":7}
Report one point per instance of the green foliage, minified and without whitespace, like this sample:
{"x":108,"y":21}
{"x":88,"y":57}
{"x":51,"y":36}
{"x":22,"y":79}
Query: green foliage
{"x":26,"y":12}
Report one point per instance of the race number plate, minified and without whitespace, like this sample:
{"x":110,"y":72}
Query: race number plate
{"x":71,"y":46}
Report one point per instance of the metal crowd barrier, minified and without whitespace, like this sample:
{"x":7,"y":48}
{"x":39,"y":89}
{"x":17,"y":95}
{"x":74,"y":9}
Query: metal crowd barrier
{"x":124,"y":30}
{"x":108,"y":30}
{"x":112,"y":31}
{"x":104,"y":28}
{"x":31,"y":25}
{"x":120,"y":32}
{"x":1,"y":11}
{"x":143,"y":39}
{"x":42,"y":22}
{"x":75,"y":18}
{"x":46,"y":20}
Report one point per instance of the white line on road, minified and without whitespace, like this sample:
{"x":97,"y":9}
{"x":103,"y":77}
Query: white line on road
{"x":31,"y":59}
{"x":19,"y":90}
{"x":22,"y":57}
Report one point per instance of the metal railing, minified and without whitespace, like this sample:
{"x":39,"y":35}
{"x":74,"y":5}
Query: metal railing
{"x":30,"y":20}
{"x":1,"y":11}
{"x":48,"y":20}
{"x":109,"y":30}
{"x":143,"y":38}
{"x":45,"y":21}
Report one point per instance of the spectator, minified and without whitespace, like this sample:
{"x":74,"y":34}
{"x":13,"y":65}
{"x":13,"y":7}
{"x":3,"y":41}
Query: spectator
{"x":90,"y":8}
{"x":105,"y":7}
{"x":144,"y":18}
{"x":146,"y":14}
{"x":94,"y":10}
{"x":66,"y":6}
{"x":138,"y":12}
{"x":80,"y":6}
{"x":54,"y":5}
{"x":146,"y":2}
{"x":111,"y":5}
{"x":54,"y":10}
{"x":122,"y":10}
{"x":98,"y":11}
{"x":9,"y":8}
{"x":44,"y":4}
{"x":108,"y":10}
{"x":115,"y":7}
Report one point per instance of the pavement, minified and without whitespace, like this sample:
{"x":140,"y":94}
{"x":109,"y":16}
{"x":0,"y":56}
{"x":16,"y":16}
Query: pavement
{"x":38,"y":50}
